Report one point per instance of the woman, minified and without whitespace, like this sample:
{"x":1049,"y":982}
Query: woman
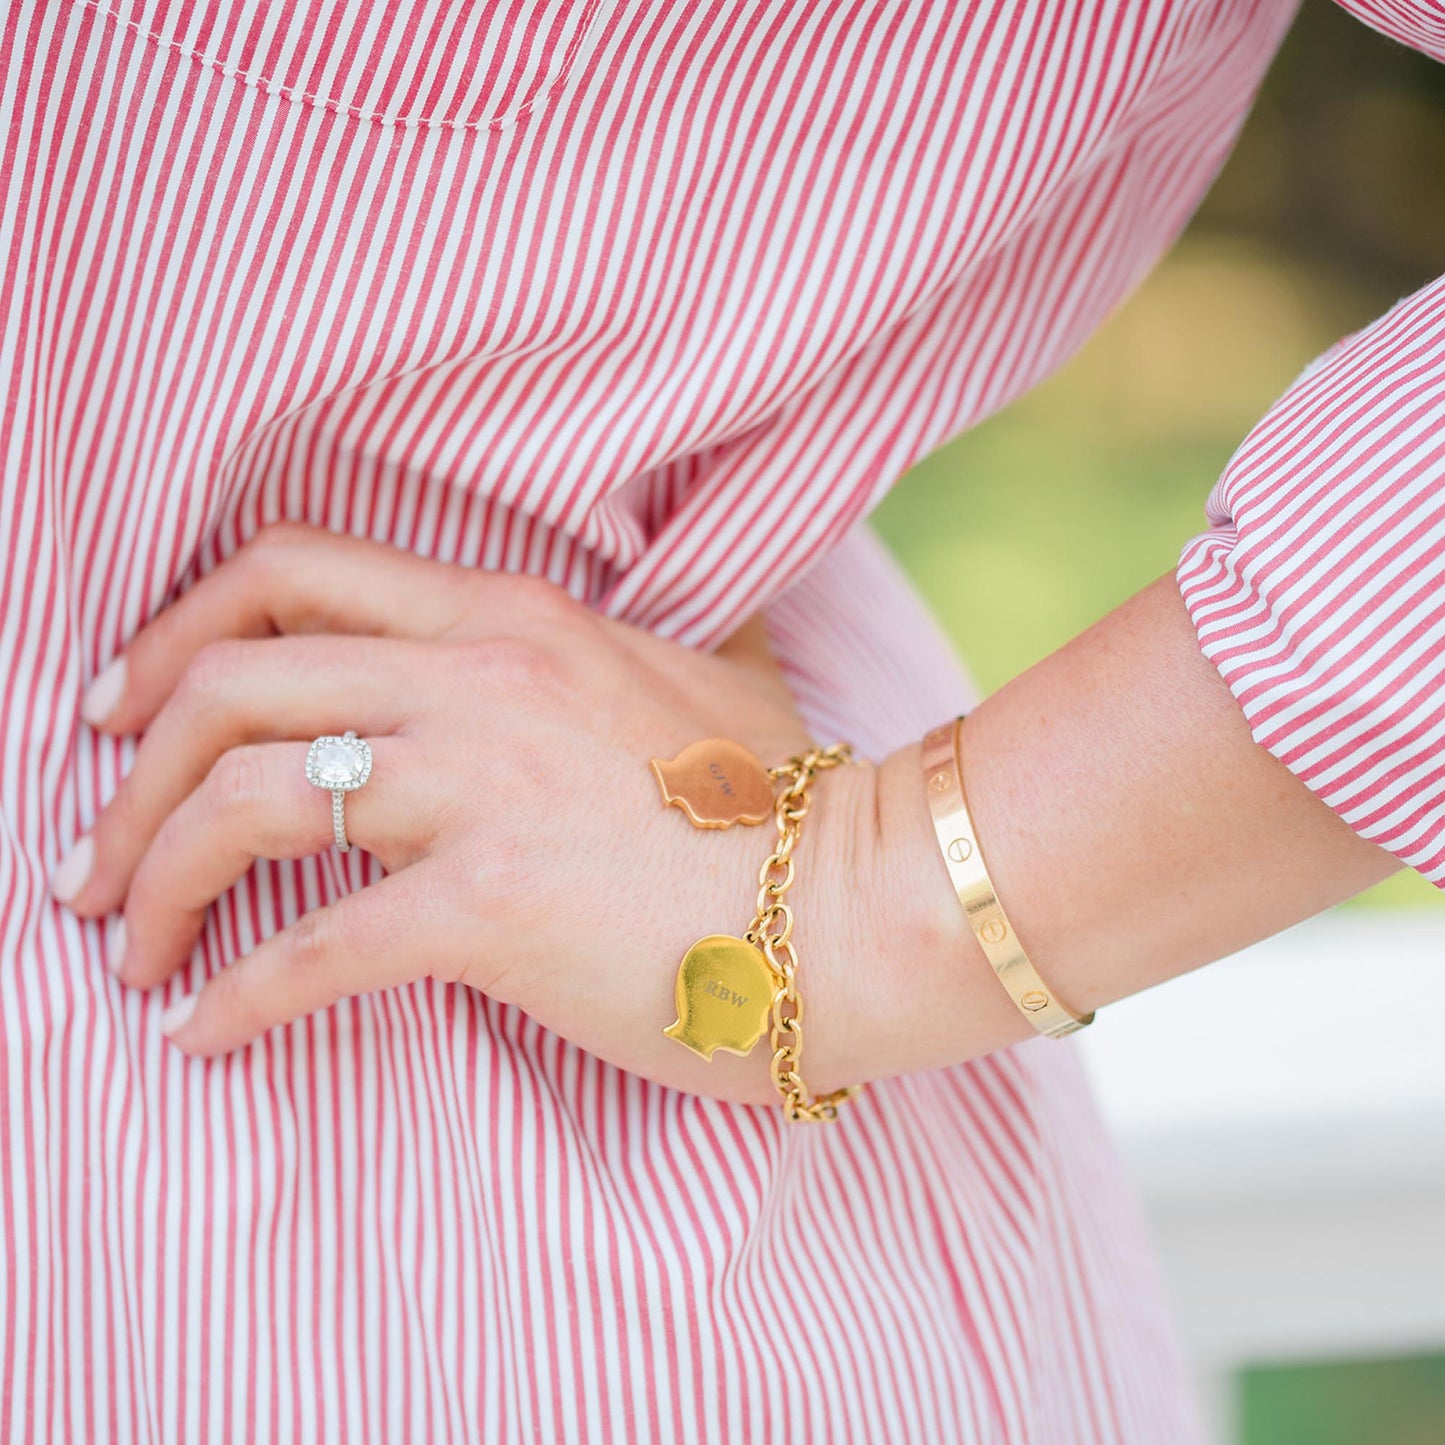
{"x":508,"y":384}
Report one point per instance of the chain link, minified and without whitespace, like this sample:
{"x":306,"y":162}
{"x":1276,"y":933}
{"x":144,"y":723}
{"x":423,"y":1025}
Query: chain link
{"x":772,"y":931}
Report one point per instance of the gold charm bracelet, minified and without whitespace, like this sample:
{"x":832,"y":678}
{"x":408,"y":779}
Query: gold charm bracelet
{"x":729,"y":989}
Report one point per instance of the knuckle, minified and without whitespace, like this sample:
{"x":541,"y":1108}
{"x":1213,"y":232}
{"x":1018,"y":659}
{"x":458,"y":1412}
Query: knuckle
{"x":312,"y":946}
{"x":209,"y":674}
{"x":157,"y":863}
{"x":279,"y":536}
{"x":124,"y":815}
{"x":518,"y":664}
{"x":539,"y":596}
{"x":487,"y":598}
{"x":238,"y":780}
{"x":233,"y":998}
{"x":271,"y":555}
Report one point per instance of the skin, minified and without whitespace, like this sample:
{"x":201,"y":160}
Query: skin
{"x":1133,"y":828}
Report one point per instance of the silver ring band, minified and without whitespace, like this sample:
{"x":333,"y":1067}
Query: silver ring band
{"x":340,"y":765}
{"x":338,"y":819}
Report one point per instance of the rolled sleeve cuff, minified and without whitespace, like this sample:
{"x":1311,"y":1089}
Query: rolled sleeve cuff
{"x":1318,"y":590}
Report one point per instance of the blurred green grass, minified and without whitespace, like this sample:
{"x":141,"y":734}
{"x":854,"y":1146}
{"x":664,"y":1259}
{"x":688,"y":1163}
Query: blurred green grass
{"x":1345,"y":1402}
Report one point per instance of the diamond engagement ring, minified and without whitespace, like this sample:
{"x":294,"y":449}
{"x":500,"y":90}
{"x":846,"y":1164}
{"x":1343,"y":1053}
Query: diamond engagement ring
{"x":340,"y":765}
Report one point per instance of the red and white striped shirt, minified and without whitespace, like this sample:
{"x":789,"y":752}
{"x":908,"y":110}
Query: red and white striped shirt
{"x":657,"y":299}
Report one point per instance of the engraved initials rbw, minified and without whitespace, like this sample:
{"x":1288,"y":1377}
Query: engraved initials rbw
{"x":727,"y":995}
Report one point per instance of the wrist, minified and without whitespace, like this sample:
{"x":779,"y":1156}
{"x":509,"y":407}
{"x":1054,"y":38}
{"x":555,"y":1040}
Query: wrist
{"x":953,"y":1006}
{"x":893,"y":979}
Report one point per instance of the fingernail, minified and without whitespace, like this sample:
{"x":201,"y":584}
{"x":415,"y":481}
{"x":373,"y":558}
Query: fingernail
{"x":179,"y":1014}
{"x":73,"y":870}
{"x":115,"y":950}
{"x":99,"y":699}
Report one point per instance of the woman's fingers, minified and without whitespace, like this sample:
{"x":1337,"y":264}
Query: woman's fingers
{"x":296,"y":578}
{"x":256,"y":802}
{"x":395,"y":931}
{"x":239,"y":692}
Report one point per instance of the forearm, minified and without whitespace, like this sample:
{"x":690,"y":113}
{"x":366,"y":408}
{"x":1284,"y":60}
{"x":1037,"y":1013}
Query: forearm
{"x":1132,"y":827}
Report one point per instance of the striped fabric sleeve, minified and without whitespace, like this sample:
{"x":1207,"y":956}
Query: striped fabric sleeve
{"x":1420,"y":24}
{"x":1318,"y":590}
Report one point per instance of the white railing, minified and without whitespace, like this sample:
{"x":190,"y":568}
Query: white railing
{"x":1283,"y":1114}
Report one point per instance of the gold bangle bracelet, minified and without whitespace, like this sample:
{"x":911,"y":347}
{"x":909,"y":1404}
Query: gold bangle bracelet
{"x":943,"y":783}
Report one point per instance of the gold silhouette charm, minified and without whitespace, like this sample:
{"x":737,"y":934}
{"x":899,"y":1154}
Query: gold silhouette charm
{"x":724,"y":993}
{"x":716,"y":783}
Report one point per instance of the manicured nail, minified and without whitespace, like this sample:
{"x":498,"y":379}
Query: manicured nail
{"x":99,"y":699}
{"x":74,"y":870}
{"x":115,"y":949}
{"x":179,"y":1014}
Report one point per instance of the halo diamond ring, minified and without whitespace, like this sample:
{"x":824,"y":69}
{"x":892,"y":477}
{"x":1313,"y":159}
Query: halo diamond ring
{"x":340,"y":765}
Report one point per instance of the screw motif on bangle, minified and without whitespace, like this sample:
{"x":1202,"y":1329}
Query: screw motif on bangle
{"x":963,"y":857}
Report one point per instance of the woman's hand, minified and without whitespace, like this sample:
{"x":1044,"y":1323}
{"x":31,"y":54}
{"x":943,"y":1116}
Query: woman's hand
{"x":527,"y":849}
